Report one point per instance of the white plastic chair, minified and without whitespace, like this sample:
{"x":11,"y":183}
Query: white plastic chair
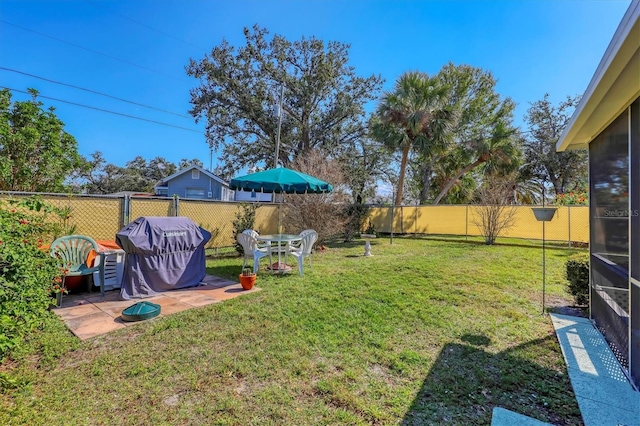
{"x":253,"y":251}
{"x":255,"y":234}
{"x":296,"y":244}
{"x":304,"y":250}
{"x":251,"y":232}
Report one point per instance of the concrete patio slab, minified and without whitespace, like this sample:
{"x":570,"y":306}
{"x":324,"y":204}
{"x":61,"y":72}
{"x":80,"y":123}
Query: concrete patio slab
{"x":230,"y":292}
{"x":88,"y":315}
{"x":193,"y":298}
{"x":69,"y":311}
{"x":210,"y":281}
{"x":93,"y":325}
{"x":169,"y":305}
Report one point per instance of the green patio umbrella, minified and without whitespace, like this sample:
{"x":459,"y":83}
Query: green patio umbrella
{"x":280,"y":181}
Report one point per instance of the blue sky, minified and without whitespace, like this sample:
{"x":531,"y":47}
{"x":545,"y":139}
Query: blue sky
{"x":137,"y":50}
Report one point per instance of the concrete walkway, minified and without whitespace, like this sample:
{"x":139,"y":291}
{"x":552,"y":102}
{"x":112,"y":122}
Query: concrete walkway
{"x":604,"y":394}
{"x":503,"y":417}
{"x":87,"y":315}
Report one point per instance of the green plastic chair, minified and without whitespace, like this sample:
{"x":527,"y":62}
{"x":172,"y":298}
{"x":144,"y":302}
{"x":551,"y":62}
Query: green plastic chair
{"x":72,"y":251}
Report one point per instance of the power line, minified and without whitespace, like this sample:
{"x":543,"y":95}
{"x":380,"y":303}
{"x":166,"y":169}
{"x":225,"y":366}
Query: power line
{"x":94,"y":4}
{"x":93,"y":91}
{"x":106,"y":110}
{"x":91,"y":50}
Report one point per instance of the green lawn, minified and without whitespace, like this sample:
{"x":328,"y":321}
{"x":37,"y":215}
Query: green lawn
{"x":423,"y":332}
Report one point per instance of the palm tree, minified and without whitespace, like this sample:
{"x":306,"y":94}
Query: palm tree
{"x":413,"y":116}
{"x":498,"y":151}
{"x":484,"y":138}
{"x":463,"y":188}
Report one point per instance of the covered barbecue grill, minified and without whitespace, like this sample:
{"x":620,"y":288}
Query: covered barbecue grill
{"x":162,"y":254}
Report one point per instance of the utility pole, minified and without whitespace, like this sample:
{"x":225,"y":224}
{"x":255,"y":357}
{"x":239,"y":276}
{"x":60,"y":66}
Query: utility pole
{"x":275,"y":163}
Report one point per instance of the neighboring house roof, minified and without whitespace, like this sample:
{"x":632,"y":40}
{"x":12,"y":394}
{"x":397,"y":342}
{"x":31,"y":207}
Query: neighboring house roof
{"x":133,"y":194}
{"x":164,"y":181}
{"x":613,"y":87}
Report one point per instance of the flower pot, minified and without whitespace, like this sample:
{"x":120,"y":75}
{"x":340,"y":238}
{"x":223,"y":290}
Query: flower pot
{"x":57,"y":300}
{"x":544,"y":214}
{"x":247,"y":281}
{"x":74,"y":283}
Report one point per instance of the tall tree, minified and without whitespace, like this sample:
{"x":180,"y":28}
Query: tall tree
{"x":137,"y":175}
{"x":442,"y":172}
{"x":566,"y":170}
{"x":100,"y":177}
{"x":36,"y":153}
{"x":364,"y":162}
{"x":483,"y":135}
{"x":414,"y":115}
{"x":240,"y":90}
{"x":184,"y":163}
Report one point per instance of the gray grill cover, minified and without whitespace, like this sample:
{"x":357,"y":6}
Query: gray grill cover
{"x":162,"y":253}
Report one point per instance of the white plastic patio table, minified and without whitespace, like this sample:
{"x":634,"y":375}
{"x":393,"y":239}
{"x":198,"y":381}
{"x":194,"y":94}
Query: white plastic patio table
{"x":282,"y":240}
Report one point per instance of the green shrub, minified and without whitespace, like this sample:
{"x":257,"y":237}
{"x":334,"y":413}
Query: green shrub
{"x":27,"y":273}
{"x":370,"y":229}
{"x":578,"y":277}
{"x":355,"y":215}
{"x":245,"y":219}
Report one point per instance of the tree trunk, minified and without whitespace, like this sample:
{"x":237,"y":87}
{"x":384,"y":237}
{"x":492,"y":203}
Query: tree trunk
{"x":453,"y":180}
{"x":403,"y":167}
{"x":557,"y":187}
{"x":426,"y":182}
{"x":305,"y":138}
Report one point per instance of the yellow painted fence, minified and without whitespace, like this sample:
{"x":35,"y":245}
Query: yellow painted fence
{"x":570,"y":223}
{"x":102,"y":216}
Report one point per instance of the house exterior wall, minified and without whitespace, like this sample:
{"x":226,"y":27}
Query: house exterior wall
{"x":609,"y":202}
{"x":614,"y":179}
{"x":252,"y":196}
{"x":186,"y":187}
{"x":634,"y":242}
{"x":607,"y":120}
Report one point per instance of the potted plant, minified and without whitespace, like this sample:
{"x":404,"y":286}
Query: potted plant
{"x":247,"y":279}
{"x":57,"y":291}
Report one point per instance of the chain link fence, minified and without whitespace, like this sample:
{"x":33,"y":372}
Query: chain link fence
{"x":102,"y":216}
{"x":97,"y":216}
{"x":570,"y":224}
